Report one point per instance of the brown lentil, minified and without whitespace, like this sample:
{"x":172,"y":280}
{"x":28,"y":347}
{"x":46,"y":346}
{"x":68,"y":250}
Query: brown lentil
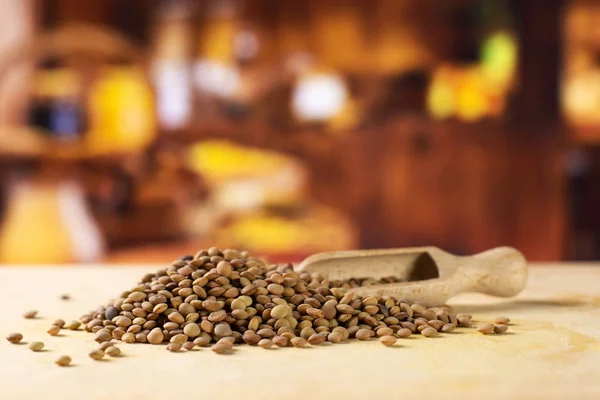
{"x":59,"y":322}
{"x":221,"y":348}
{"x":155,"y":336}
{"x":265,"y":343}
{"x":298,"y":341}
{"x":180,"y":339}
{"x":73,"y":325}
{"x":202,"y":340}
{"x":429,"y":332}
{"x":14,"y":338}
{"x":436,"y":324}
{"x":403,"y":333}
{"x":53,"y":330}
{"x":363,"y":334}
{"x":387,"y":340}
{"x":36,"y":346}
{"x":103,"y":336}
{"x":486,"y":328}
{"x":128,"y":337}
{"x":281,"y":341}
{"x":63,"y":361}
{"x":96,"y":354}
{"x":316,"y":339}
{"x":105,"y":346}
{"x":113,"y":351}
{"x":385,"y":332}
{"x":174,"y":347}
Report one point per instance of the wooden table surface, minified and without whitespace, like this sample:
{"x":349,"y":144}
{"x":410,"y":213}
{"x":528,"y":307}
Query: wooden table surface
{"x":552,"y":350}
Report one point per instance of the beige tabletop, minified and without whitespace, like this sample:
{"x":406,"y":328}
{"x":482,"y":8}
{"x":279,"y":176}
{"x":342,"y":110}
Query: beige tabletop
{"x":552,"y":350}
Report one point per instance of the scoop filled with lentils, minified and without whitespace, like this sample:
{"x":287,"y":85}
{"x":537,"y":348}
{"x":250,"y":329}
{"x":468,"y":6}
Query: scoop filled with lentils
{"x":223,"y":297}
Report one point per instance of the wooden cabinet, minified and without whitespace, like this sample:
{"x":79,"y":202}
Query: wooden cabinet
{"x":463,"y":187}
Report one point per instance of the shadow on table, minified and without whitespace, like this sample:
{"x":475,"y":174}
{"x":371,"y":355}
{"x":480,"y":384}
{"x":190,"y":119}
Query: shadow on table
{"x":530,"y":304}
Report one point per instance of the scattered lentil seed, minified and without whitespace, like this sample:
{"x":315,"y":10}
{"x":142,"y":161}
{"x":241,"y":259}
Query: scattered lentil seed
{"x":180,"y":339}
{"x":281,"y":341}
{"x":30,"y":314}
{"x":63,"y":361}
{"x":155,"y":336}
{"x":189,"y":346}
{"x":486,"y":328}
{"x":174,"y":347}
{"x":96,"y":354}
{"x":500,"y":329}
{"x":229,"y":339}
{"x":335,"y":337}
{"x":141,"y":337}
{"x":53,"y":330}
{"x":202,"y":340}
{"x":363,"y":334}
{"x":384,"y":332}
{"x":448,"y":328}
{"x":436,"y":324}
{"x":14,"y":338}
{"x":298,"y":341}
{"x":222,"y":347}
{"x":316,"y":339}
{"x":36,"y":346}
{"x":222,"y":330}
{"x":59,"y":322}
{"x":105,"y":346}
{"x":65,"y":296}
{"x":128,"y":337}
{"x":387,"y":340}
{"x":429,"y":332}
{"x":265,"y":343}
{"x":73,"y":325}
{"x":280,"y":311}
{"x":103,"y":336}
{"x":192,"y":330}
{"x":113,"y":351}
{"x":403,"y":333}
{"x":501,"y":320}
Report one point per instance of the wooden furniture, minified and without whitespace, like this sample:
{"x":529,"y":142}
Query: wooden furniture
{"x":551,"y":350}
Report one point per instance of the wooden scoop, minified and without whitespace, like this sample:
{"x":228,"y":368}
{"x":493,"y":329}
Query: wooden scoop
{"x":431,"y":275}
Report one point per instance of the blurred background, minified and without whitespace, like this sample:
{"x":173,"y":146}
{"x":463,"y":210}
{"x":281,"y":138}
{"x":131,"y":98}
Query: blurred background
{"x":140,"y":130}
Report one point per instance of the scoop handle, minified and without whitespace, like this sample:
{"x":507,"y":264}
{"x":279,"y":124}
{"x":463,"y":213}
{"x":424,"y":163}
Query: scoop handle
{"x":501,"y":271}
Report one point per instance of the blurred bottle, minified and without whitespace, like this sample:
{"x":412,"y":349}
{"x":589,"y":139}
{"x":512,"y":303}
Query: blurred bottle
{"x":121,"y":109}
{"x":55,"y":107}
{"x":441,"y":96}
{"x":47,"y":222}
{"x":171,"y":66}
{"x":499,"y":60}
{"x":472,"y":101}
{"x":215,"y":71}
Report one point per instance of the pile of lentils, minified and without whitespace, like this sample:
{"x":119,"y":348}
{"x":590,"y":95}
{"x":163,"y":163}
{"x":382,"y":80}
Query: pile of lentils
{"x":221,"y":297}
